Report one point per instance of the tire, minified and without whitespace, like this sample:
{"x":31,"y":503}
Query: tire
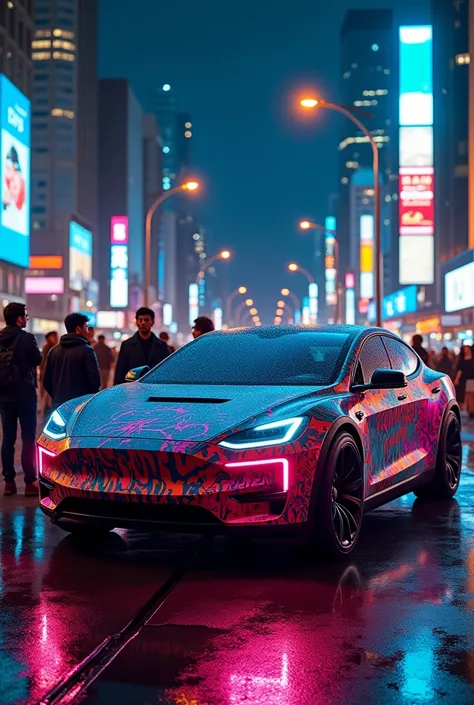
{"x":86,"y":530}
{"x":340,"y":499}
{"x":447,"y":475}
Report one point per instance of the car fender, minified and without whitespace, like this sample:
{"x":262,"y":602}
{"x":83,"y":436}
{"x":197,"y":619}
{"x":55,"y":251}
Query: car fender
{"x":340,"y":423}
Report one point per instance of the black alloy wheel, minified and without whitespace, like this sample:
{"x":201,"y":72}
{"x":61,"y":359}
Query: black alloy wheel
{"x":447,"y":475}
{"x":453,"y":453}
{"x":340,"y":504}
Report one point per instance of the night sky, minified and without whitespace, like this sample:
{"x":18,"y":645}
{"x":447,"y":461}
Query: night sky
{"x":235,"y":69}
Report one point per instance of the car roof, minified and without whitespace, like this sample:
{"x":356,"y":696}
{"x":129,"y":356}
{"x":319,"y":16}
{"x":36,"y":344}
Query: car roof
{"x":280,"y":331}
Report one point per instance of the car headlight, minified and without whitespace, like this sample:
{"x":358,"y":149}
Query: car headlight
{"x":268,"y":434}
{"x":56,"y":427}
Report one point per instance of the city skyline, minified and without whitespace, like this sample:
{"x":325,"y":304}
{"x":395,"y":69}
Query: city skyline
{"x":262,"y":168}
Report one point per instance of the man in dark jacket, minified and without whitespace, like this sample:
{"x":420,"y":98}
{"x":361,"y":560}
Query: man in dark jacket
{"x":105,"y":358}
{"x":143,"y":348}
{"x":72,"y":369}
{"x":18,"y":397}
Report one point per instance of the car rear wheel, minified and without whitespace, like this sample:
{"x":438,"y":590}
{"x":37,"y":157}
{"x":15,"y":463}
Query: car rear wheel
{"x":83,"y":529}
{"x":447,"y":474}
{"x":340,"y":499}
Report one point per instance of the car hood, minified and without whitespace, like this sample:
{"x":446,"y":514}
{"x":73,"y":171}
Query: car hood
{"x":182,"y":412}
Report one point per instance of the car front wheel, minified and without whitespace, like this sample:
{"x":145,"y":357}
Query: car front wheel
{"x":447,"y":475}
{"x":340,"y":499}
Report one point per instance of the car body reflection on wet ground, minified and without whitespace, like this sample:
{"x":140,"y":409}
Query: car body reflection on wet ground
{"x":248,"y":623}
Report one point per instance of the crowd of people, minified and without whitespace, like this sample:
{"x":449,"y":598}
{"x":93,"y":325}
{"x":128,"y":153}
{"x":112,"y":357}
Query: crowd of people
{"x":70,"y":366}
{"x":460,"y":368}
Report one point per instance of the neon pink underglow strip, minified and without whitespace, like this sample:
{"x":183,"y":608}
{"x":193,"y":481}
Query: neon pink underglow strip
{"x":252,"y":463}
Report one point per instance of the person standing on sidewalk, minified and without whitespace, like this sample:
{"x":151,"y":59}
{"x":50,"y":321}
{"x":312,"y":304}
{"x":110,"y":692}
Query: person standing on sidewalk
{"x":142,"y":349}
{"x":19,"y":358}
{"x":52,"y":339}
{"x":106,"y":359}
{"x":72,"y":369}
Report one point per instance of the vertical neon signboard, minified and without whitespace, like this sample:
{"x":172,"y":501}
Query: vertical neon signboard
{"x":119,"y":261}
{"x":416,"y":176}
{"x":366,"y":256}
{"x":350,"y":298}
{"x":330,"y":261}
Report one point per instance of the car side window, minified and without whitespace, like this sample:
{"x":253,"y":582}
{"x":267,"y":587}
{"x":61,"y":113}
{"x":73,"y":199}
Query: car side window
{"x":373,"y":356}
{"x":401,"y":357}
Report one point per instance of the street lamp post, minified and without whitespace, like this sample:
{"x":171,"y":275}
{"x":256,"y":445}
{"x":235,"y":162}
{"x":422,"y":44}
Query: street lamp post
{"x":224,"y":254}
{"x":308,"y":225}
{"x":188,"y":186}
{"x":313,"y":289}
{"x":313,"y":103}
{"x":294,"y":298}
{"x":228,"y":304}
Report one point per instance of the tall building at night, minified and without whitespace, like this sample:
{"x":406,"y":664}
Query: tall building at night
{"x":121,"y":244}
{"x":163,"y":107}
{"x":152,"y":183}
{"x":64,"y":157}
{"x":368,"y":85}
{"x":16,"y":80}
{"x":451,"y":123}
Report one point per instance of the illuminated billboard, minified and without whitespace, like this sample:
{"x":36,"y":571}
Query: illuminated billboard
{"x":459,"y":288}
{"x":416,"y":75}
{"x":416,"y":201}
{"x":397,"y":304}
{"x":80,"y":256}
{"x":330,"y":261}
{"x":44,"y":285}
{"x":349,"y":284}
{"x":416,"y":259}
{"x":416,"y":146}
{"x":416,"y":177}
{"x":119,"y":261}
{"x":366,"y":256}
{"x":15,"y":164}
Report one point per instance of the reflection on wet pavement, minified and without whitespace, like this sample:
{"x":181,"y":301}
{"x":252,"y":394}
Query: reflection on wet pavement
{"x":254,"y":624}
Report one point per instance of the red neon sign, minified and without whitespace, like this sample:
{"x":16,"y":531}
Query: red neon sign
{"x":416,"y":199}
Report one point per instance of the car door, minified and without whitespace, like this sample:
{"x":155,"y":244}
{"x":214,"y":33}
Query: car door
{"x":414,"y":409}
{"x":377,"y":413}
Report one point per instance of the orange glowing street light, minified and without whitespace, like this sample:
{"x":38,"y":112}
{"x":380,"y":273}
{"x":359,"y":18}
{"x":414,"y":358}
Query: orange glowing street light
{"x":242,"y":290}
{"x":253,"y":311}
{"x":249,"y":302}
{"x":293,"y":267}
{"x":305,"y":225}
{"x":281,"y":304}
{"x":162,"y":196}
{"x":285,"y":292}
{"x":309,"y":102}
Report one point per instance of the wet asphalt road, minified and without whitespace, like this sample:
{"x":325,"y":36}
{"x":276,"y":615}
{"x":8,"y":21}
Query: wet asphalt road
{"x":248,"y":625}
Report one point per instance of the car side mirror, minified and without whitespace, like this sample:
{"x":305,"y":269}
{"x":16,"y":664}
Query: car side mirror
{"x":388,"y":379}
{"x":136,"y":373}
{"x":383,"y":379}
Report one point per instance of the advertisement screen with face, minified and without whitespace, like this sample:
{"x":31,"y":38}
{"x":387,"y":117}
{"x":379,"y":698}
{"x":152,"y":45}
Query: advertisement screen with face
{"x":15,"y":164}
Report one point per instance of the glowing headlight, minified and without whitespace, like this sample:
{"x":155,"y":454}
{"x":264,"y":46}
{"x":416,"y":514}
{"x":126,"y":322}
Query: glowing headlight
{"x":56,"y":427}
{"x":269,"y":434}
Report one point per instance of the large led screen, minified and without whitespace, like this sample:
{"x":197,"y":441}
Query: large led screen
{"x":416,"y":177}
{"x":416,"y":259}
{"x":80,"y":256}
{"x":15,"y":165}
{"x":416,"y":146}
{"x":416,"y":75}
{"x":459,"y":288}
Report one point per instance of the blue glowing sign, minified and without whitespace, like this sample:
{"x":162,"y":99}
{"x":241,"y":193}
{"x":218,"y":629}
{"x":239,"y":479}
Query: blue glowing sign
{"x":416,"y":75}
{"x":80,"y":256}
{"x":397,"y":304}
{"x":15,"y":174}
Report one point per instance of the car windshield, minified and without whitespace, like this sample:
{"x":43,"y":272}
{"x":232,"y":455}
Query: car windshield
{"x":260,"y":358}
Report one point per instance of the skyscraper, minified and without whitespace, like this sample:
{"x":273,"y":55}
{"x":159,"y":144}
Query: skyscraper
{"x":121,"y":255}
{"x":16,"y":71}
{"x":450,"y":21}
{"x":163,"y":107}
{"x":368,"y":87}
{"x":64,"y":156}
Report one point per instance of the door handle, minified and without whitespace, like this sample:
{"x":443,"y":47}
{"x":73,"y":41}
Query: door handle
{"x":402,"y":397}
{"x":436,"y":390}
{"x":360,"y":415}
